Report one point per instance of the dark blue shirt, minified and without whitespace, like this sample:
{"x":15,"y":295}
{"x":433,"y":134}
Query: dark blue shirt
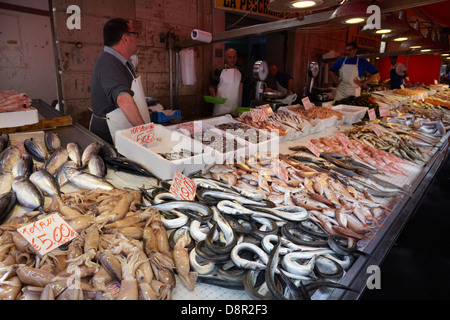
{"x":363,"y":65}
{"x":283,"y":79}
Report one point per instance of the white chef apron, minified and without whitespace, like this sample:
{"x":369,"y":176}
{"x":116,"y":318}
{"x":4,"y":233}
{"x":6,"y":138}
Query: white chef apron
{"x":117,"y":120}
{"x":281,"y":89}
{"x":347,"y":86}
{"x":229,"y":88}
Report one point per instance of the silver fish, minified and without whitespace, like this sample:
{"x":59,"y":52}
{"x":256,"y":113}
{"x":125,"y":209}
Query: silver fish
{"x":107,"y":151}
{"x":89,"y":151}
{"x":201,"y":211}
{"x":36,"y":150}
{"x":75,"y":152}
{"x":46,"y":182}
{"x":9,"y":157}
{"x":28,"y":195}
{"x":85,"y":180}
{"x":97,"y":166}
{"x":56,"y":160}
{"x":6,"y":179}
{"x":7,"y":203}
{"x":61,"y":175}
{"x":24,"y":167}
{"x":52,"y":141}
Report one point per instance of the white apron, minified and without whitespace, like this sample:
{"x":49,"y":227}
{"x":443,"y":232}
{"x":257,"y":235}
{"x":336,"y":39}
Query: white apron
{"x":281,"y":88}
{"x":117,"y":120}
{"x":347,"y":86}
{"x":228,"y":87}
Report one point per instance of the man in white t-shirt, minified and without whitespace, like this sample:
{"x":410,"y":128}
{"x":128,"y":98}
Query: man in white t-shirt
{"x":398,"y":73}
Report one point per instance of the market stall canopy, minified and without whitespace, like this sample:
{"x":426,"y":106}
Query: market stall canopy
{"x":437,"y":12}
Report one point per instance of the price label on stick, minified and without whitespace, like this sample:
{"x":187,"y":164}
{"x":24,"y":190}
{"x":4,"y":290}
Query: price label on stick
{"x":280,"y":170}
{"x":143,"y":134}
{"x":191,"y":127}
{"x":342,"y":139}
{"x":313,"y":148}
{"x":376,"y":130}
{"x":267,"y":109}
{"x":384,"y":111}
{"x":183,"y":187}
{"x":306,"y":103}
{"x":372,"y":115}
{"x":258,"y":115}
{"x":48,"y":233}
{"x":358,"y":92}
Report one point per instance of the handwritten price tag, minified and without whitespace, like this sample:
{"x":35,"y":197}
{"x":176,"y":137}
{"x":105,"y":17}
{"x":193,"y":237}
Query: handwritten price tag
{"x":280,"y":170}
{"x":384,"y":111}
{"x":191,"y":127}
{"x":143,"y":134}
{"x":258,"y":115}
{"x":376,"y":130}
{"x":267,"y":109}
{"x":306,"y":103}
{"x":48,"y":233}
{"x":358,"y":92}
{"x":342,"y":139}
{"x":372,"y":115}
{"x":183,"y":187}
{"x":313,"y":148}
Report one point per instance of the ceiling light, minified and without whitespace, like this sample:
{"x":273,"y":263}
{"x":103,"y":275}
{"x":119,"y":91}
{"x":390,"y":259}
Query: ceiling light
{"x":300,"y":5}
{"x":383,"y":31}
{"x":354,"y":20}
{"x":425,"y":50}
{"x":411,"y":33}
{"x":401,"y":39}
{"x":351,"y":12}
{"x":389,"y":21}
{"x":415,"y":47}
{"x":445,"y":54}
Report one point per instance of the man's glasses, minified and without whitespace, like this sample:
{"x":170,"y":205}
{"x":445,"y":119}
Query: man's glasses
{"x":136,"y":33}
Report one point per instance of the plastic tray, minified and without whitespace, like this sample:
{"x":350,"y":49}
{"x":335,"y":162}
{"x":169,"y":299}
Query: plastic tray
{"x":352,"y":114}
{"x":166,"y":141}
{"x":217,"y":100}
{"x":160,"y":117}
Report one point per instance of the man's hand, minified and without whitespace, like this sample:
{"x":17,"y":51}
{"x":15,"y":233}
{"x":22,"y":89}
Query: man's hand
{"x":359,"y":82}
{"x":130,"y":109}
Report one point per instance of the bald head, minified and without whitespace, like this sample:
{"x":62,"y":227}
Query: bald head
{"x":230,"y":57}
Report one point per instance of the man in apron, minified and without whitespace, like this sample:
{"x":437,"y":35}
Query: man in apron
{"x":347,"y":72}
{"x":227,"y":82}
{"x":398,"y":73}
{"x":118,"y":99}
{"x":283,"y":81}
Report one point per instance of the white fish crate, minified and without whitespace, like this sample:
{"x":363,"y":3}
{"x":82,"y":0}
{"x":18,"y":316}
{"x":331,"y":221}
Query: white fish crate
{"x":262,"y":142}
{"x":19,"y":118}
{"x":317,"y":125}
{"x":166,"y":141}
{"x":351,"y":114}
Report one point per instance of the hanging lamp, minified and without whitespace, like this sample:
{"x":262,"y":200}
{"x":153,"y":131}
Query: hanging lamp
{"x":300,"y":5}
{"x":390,"y":23}
{"x":352,"y":12}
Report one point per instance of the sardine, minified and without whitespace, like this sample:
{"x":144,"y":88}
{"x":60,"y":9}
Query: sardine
{"x":92,"y":149}
{"x":52,"y":141}
{"x":7,"y":203}
{"x":24,"y":167}
{"x":56,"y":160}
{"x":75,"y":151}
{"x":46,"y":182}
{"x":84,"y":180}
{"x":36,"y":150}
{"x":10,"y":156}
{"x":97,"y":166}
{"x":27,"y":194}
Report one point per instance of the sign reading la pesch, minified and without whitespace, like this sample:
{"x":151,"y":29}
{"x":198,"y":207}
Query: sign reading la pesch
{"x":259,"y":8}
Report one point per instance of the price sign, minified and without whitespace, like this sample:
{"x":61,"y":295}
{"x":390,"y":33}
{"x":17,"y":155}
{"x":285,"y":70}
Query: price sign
{"x":258,"y":115}
{"x":183,"y":187}
{"x":313,"y":148}
{"x":342,"y":139}
{"x":328,"y":105}
{"x":113,"y":287}
{"x":191,"y":127}
{"x":267,"y":109}
{"x":280,"y":170}
{"x":306,"y":103}
{"x":372,"y":115}
{"x":376,"y":130}
{"x":384,"y":111}
{"x":402,"y":87}
{"x":435,"y":81}
{"x":47,"y":233}
{"x":358,"y":92}
{"x":143,"y":134}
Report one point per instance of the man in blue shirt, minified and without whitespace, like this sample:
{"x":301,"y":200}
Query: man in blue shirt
{"x":282,"y":80}
{"x":347,"y":72}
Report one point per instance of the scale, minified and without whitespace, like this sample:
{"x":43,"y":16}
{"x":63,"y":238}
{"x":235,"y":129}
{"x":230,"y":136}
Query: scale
{"x":260,"y":72}
{"x":316,"y":94}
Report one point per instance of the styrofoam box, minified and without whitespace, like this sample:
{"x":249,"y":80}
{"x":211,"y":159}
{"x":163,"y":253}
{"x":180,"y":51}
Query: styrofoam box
{"x":19,"y":118}
{"x":352,"y":114}
{"x":317,"y":125}
{"x":166,"y":141}
{"x":214,"y":156}
{"x":268,"y":142}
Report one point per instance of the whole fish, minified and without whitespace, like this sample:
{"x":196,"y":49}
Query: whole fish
{"x":107,"y":151}
{"x":9,"y":157}
{"x":6,"y":179}
{"x":4,"y":140}
{"x":52,"y":141}
{"x":27,"y":194}
{"x":75,"y":151}
{"x":24,"y":167}
{"x":127,"y":165}
{"x":7,"y":203}
{"x":97,"y":166}
{"x":84,"y":180}
{"x":56,"y":160}
{"x":36,"y":150}
{"x":61,"y":175}
{"x":46,"y":182}
{"x":92,"y":149}
{"x":196,"y":210}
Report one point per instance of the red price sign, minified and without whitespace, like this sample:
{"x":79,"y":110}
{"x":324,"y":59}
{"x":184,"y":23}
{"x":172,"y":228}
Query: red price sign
{"x":280,"y":170}
{"x":191,"y":127}
{"x":342,"y":139}
{"x":48,"y":233}
{"x":376,"y":130}
{"x":267,"y":109}
{"x":258,"y":115}
{"x":372,"y":115}
{"x":313,"y":148}
{"x":183,"y":187}
{"x":306,"y":103}
{"x":143,"y":134}
{"x":384,"y":111}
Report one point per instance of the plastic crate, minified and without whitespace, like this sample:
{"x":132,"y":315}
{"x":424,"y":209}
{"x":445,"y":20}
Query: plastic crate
{"x":160,"y":117}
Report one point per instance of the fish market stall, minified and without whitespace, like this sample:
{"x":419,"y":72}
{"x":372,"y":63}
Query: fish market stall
{"x":226,"y":243}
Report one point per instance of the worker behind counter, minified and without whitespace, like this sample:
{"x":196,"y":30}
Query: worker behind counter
{"x":398,"y":73}
{"x":118,"y":99}
{"x":348,"y":71}
{"x":283,"y":81}
{"x":226,"y":83}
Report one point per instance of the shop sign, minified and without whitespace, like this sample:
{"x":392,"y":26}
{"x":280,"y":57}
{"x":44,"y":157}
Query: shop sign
{"x":256,"y":7}
{"x":364,"y":41}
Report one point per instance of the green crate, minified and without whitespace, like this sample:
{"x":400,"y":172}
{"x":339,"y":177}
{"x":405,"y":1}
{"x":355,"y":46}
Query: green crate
{"x":217,"y":100}
{"x":241,"y":110}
